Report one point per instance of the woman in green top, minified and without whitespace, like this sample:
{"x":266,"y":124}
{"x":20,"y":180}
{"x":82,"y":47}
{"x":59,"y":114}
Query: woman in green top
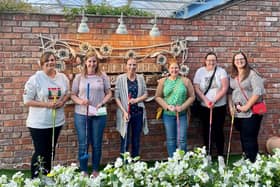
{"x":175,"y":94}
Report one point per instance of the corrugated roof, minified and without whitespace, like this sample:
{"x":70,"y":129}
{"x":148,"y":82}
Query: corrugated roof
{"x":161,"y":8}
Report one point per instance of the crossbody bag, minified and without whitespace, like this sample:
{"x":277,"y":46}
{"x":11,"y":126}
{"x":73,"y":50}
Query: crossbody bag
{"x":259,"y":107}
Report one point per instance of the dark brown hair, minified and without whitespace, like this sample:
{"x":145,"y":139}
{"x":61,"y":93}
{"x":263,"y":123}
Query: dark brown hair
{"x":208,"y":54}
{"x":234,"y":71}
{"x":45,"y":57}
{"x":90,"y":54}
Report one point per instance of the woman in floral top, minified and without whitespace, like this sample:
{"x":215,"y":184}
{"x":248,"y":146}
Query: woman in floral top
{"x":247,"y":89}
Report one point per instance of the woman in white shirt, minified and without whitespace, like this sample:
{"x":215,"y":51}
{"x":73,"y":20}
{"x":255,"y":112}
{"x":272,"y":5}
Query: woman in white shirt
{"x":214,"y":99}
{"x":45,"y":91}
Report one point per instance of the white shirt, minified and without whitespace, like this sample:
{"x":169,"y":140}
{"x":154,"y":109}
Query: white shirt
{"x":202,"y":78}
{"x":41,"y":87}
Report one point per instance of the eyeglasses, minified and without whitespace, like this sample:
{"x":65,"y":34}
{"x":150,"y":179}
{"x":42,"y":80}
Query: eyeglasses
{"x":50,"y":60}
{"x":211,"y":60}
{"x":239,"y":59}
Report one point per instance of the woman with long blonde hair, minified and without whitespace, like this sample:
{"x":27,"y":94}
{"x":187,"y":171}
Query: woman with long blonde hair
{"x":90,"y":90}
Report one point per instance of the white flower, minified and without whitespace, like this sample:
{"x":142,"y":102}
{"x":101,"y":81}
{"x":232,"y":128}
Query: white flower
{"x":3,"y":179}
{"x":118,"y":163}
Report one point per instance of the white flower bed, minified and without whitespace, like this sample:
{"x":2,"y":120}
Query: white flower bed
{"x":190,"y":169}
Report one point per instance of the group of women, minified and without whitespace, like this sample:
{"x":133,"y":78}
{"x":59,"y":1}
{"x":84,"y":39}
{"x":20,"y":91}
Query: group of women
{"x":46,"y":92}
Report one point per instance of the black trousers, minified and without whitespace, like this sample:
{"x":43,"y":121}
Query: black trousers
{"x":42,"y":141}
{"x":249,"y":130}
{"x":217,"y":128}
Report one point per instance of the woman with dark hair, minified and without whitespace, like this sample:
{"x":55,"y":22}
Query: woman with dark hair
{"x":247,"y":89}
{"x":90,"y":91}
{"x":175,"y":94}
{"x":211,"y":85}
{"x":45,"y":92}
{"x":130,"y":93}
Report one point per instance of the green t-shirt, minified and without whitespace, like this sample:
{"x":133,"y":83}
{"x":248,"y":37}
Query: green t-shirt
{"x":174,"y":93}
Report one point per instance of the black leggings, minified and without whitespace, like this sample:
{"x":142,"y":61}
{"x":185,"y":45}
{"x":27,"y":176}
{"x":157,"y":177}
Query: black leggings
{"x":249,"y":130}
{"x":217,"y":130}
{"x":42,"y":141}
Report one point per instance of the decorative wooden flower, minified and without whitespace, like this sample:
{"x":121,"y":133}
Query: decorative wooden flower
{"x":106,"y":49}
{"x":184,"y":70}
{"x":130,"y":54}
{"x":161,"y":60}
{"x":63,"y":53}
{"x":175,"y":50}
{"x":85,"y":47}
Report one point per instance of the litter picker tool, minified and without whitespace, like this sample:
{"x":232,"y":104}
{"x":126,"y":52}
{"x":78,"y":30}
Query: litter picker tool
{"x":230,"y":136}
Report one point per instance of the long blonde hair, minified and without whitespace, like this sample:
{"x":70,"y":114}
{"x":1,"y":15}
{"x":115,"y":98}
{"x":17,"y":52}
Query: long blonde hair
{"x":97,"y":71}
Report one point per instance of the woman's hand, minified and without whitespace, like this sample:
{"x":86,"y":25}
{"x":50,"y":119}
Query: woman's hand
{"x":209,"y":104}
{"x":178,"y":108}
{"x":99,"y":105}
{"x":171,"y":108}
{"x":59,"y":104}
{"x":243,"y":108}
{"x":125,"y":116}
{"x":50,"y":105}
{"x":84,"y":102}
{"x":133,"y":101}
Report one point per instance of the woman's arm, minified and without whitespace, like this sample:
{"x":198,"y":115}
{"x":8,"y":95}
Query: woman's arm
{"x":159,"y":96}
{"x":222,"y":92}
{"x":142,"y":97}
{"x":107,"y":97}
{"x":42,"y":104}
{"x":252,"y":100}
{"x":201,"y":95}
{"x":190,"y":96}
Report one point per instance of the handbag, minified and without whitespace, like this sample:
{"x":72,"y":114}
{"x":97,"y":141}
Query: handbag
{"x":259,"y":107}
{"x":159,"y":112}
{"x":196,"y":107}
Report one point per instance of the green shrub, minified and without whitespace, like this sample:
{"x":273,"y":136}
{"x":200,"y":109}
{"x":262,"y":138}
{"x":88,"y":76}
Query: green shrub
{"x":15,"y":6}
{"x":103,"y":9}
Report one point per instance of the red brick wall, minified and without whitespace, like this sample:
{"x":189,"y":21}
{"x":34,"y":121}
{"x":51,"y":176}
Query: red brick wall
{"x":252,"y":26}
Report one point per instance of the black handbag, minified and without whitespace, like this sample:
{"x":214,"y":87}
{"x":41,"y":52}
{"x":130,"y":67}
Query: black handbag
{"x":196,"y":106}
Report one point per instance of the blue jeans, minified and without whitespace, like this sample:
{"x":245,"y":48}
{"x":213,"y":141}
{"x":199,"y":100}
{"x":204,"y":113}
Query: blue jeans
{"x":171,"y":129}
{"x":95,"y":129}
{"x":135,"y":125}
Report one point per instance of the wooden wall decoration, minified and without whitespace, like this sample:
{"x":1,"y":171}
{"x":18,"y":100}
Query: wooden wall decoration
{"x":152,"y":60}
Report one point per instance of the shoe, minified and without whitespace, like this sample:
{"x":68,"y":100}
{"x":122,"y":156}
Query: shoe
{"x":85,"y":174}
{"x":221,"y":161}
{"x":94,"y":174}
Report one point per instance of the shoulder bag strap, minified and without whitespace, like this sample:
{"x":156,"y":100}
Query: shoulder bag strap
{"x":211,"y":80}
{"x":242,"y":90}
